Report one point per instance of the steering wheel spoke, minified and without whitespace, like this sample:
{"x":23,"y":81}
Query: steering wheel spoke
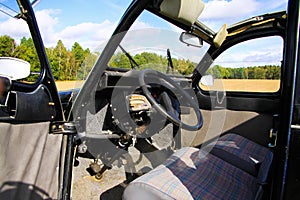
{"x":164,"y":106}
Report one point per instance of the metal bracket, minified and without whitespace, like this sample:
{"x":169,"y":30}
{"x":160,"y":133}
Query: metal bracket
{"x":274,"y":131}
{"x":273,"y":138}
{"x":296,"y":126}
{"x":66,"y":128}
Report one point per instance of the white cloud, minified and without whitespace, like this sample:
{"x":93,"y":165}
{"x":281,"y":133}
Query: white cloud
{"x":222,"y":9}
{"x":17,"y":28}
{"x":140,"y":25}
{"x":255,"y":52}
{"x":47,"y":20}
{"x":14,"y":28}
{"x":89,"y":35}
{"x":218,"y":12}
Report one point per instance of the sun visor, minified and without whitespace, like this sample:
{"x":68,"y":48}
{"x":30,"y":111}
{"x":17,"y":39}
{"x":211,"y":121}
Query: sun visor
{"x":221,"y":36}
{"x":186,"y":11}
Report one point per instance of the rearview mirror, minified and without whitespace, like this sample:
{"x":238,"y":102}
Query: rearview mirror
{"x":207,"y":80}
{"x":191,"y":39}
{"x":14,"y":68}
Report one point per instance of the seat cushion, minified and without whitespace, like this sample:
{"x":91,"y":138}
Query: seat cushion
{"x":191,"y":173}
{"x":244,"y":154}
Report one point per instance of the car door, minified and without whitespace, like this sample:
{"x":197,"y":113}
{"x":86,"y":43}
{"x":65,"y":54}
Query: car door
{"x":30,"y":155}
{"x":246,"y":68}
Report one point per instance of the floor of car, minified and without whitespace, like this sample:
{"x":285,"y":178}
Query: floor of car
{"x":110,"y":186}
{"x":114,"y":181}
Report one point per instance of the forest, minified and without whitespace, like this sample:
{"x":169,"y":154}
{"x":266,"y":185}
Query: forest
{"x":75,"y":63}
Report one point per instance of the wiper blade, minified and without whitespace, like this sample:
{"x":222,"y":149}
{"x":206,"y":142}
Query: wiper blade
{"x":170,"y":62}
{"x":133,"y":63}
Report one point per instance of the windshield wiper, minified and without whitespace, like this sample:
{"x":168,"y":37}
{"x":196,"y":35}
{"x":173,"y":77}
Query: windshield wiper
{"x":133,"y":63}
{"x":170,"y":62}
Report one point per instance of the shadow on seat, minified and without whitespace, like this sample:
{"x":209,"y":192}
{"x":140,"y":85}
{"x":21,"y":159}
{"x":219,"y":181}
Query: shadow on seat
{"x":192,"y":173}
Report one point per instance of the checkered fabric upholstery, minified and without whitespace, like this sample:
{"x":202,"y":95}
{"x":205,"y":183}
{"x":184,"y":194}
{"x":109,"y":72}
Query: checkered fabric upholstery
{"x":244,"y":154}
{"x":191,"y":173}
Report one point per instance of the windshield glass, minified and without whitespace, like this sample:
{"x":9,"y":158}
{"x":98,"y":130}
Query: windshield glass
{"x":156,"y":46}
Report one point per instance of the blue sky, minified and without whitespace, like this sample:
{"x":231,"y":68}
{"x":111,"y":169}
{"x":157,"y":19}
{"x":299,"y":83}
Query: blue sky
{"x":79,"y":19}
{"x":91,"y":22}
{"x":75,"y":12}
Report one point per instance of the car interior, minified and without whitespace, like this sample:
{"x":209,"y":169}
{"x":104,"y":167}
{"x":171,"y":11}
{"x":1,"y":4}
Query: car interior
{"x":221,"y":151}
{"x":158,"y":106}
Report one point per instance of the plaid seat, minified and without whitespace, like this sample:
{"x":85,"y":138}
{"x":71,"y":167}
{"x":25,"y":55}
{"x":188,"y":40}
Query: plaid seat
{"x":191,"y":173}
{"x":244,"y":154}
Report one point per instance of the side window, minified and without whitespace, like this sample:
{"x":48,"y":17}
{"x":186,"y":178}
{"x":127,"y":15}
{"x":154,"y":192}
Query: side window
{"x":250,"y":66}
{"x":16,"y":41}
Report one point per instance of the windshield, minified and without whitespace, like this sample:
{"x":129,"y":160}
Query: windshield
{"x":158,"y":48}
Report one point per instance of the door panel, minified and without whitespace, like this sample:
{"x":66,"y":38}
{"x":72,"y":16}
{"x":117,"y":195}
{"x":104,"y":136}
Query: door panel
{"x":29,"y":161}
{"x":251,"y":125}
{"x":29,"y":155}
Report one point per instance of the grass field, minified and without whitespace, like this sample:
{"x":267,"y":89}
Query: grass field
{"x":224,"y":84}
{"x":68,"y":85}
{"x":245,"y":85}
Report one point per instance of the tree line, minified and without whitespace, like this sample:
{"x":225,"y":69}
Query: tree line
{"x":271,"y":72}
{"x":75,"y":63}
{"x":65,"y":64}
{"x":153,"y":61}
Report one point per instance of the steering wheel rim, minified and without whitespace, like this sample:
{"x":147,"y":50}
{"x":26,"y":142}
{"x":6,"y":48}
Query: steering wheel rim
{"x":159,"y":108}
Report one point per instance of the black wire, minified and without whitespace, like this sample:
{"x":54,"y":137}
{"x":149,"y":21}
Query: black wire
{"x":9,"y":9}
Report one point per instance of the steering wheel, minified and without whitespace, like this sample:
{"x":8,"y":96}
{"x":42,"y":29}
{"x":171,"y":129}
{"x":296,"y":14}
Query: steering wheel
{"x":166,"y":112}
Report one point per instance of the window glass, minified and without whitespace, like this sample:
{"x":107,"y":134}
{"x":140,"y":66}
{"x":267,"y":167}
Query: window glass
{"x":153,"y":43}
{"x":251,"y":66}
{"x":15,"y":39}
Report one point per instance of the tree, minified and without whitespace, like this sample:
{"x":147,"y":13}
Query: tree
{"x":79,"y":56}
{"x":120,"y":60}
{"x":58,"y":59}
{"x":26,"y":51}
{"x":87,"y":64}
{"x":215,"y":71}
{"x":7,"y":46}
{"x":260,"y":73}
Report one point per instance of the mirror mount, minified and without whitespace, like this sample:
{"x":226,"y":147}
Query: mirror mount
{"x":191,"y":39}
